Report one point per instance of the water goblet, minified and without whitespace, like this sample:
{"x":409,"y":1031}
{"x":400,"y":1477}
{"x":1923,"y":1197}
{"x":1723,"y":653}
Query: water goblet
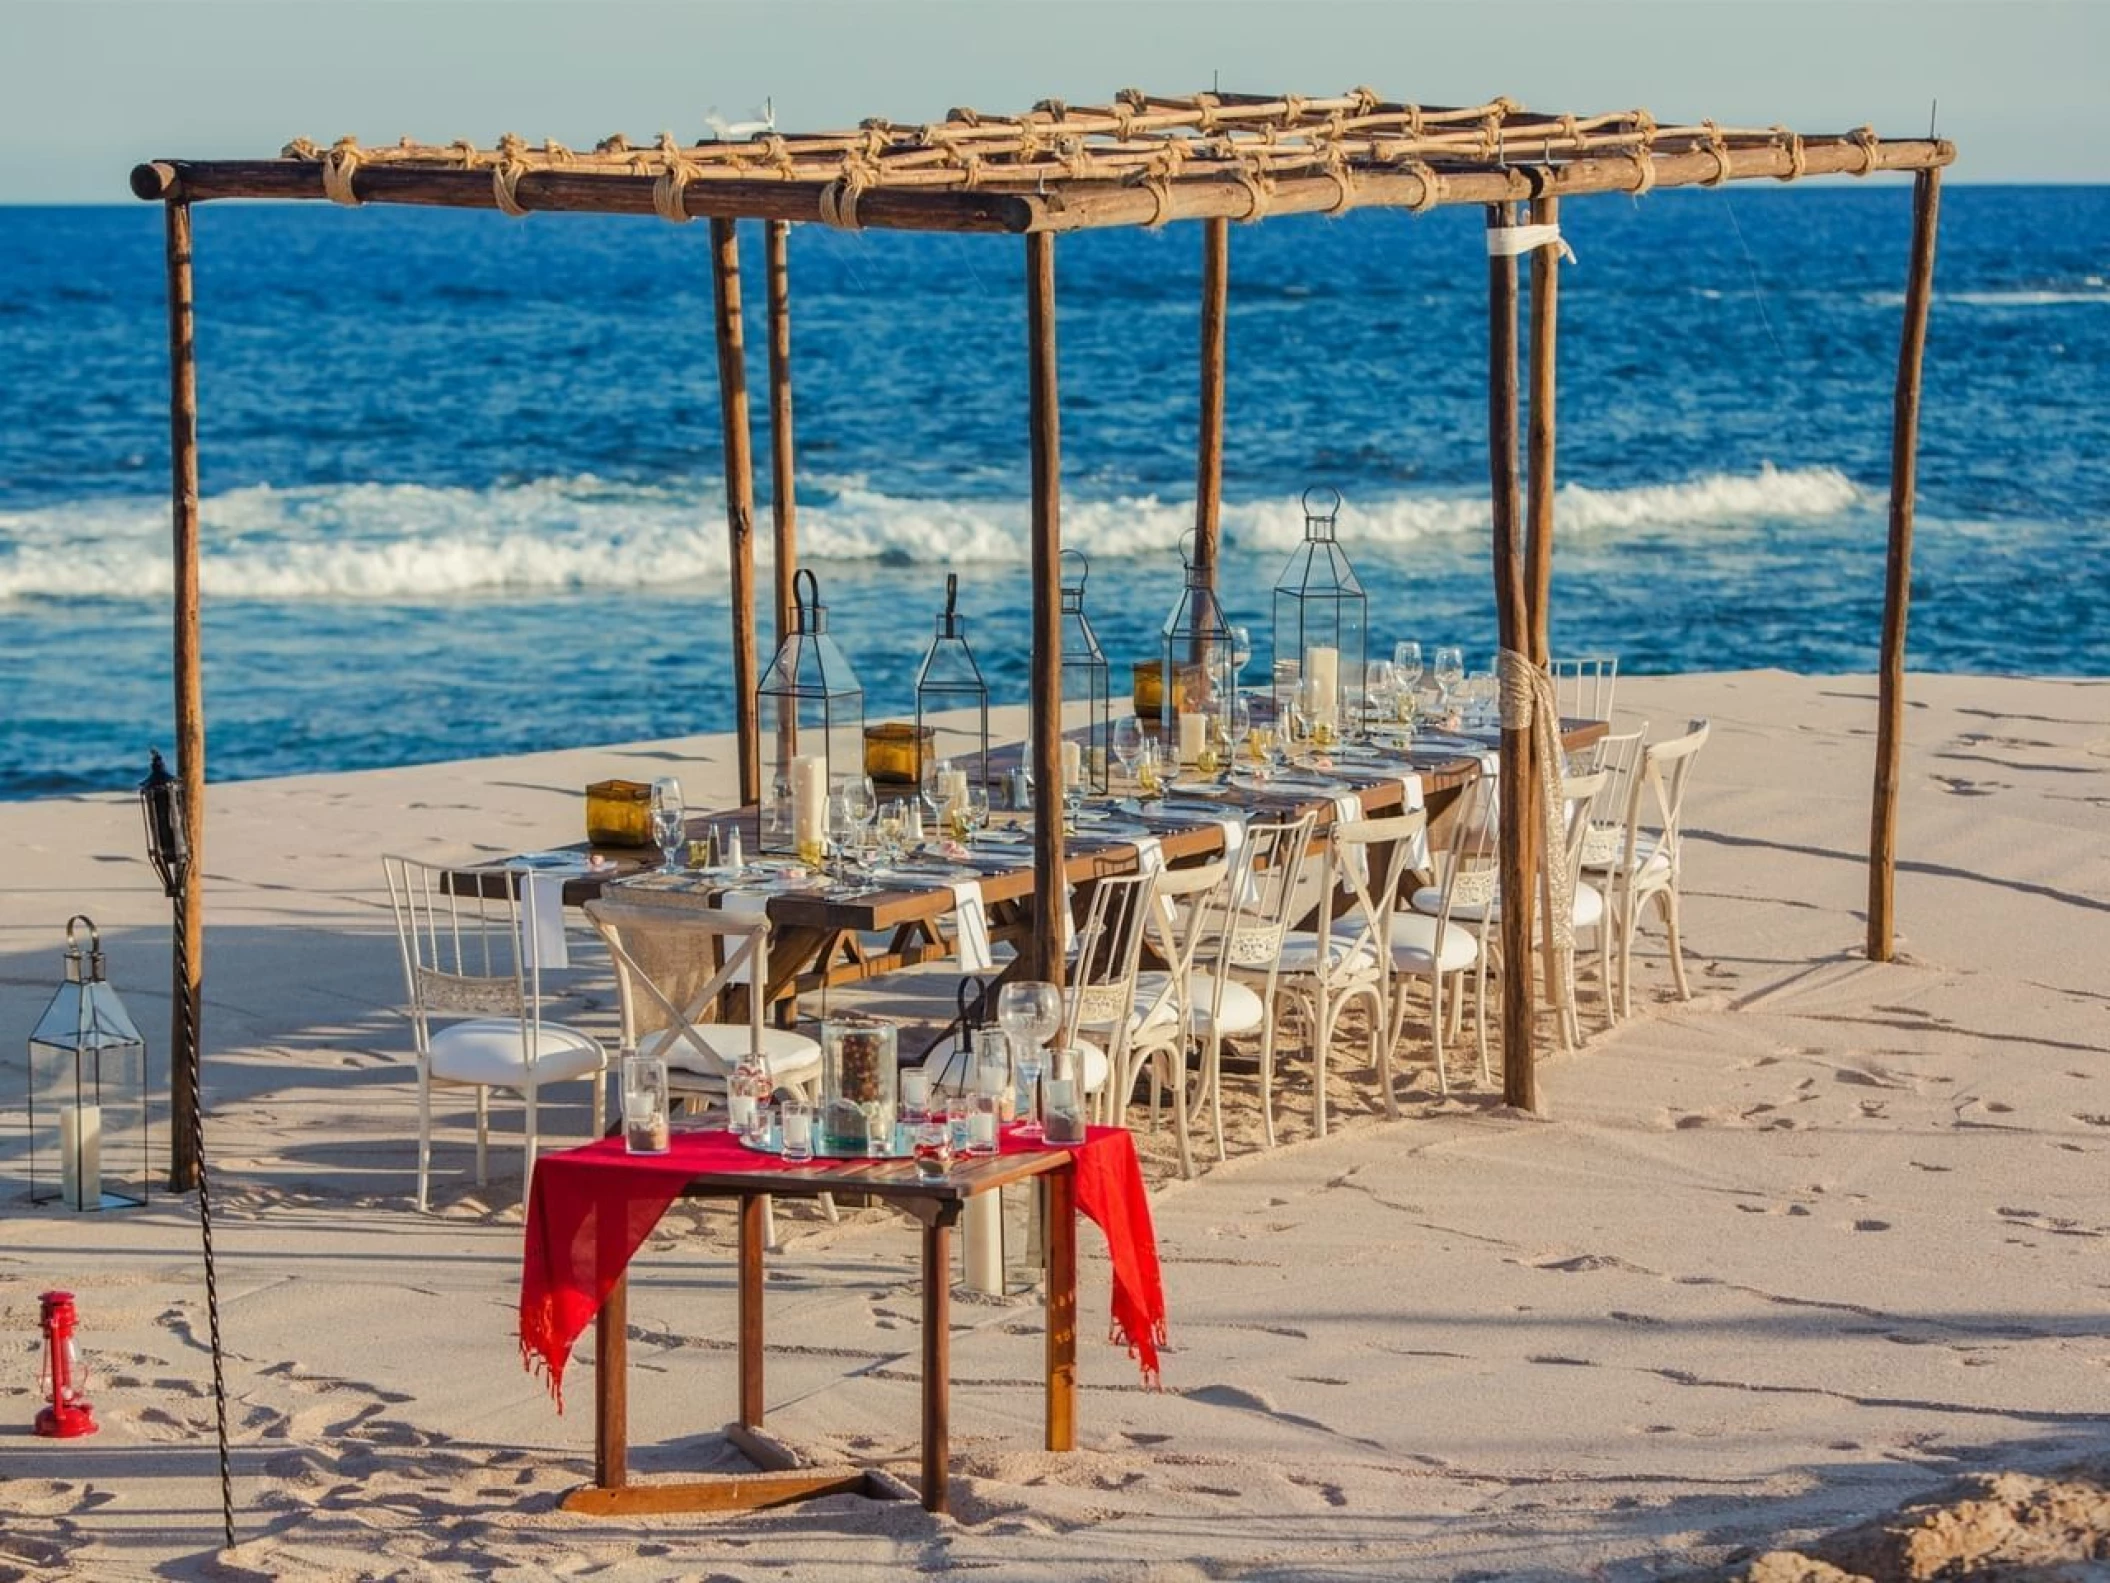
{"x":1028,"y":1060}
{"x":1030,"y":1012}
{"x":1241,"y":651}
{"x":1406,"y":664}
{"x":976,"y":808}
{"x":1129,"y":741}
{"x":669,"y":830}
{"x":1450,"y":671}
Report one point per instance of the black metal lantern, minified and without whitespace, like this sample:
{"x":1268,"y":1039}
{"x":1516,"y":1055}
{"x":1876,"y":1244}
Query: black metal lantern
{"x":811,"y":710}
{"x":161,"y":806}
{"x":88,"y":1140}
{"x":1322,"y":621}
{"x":1086,"y":678}
{"x":952,"y":700}
{"x":1196,"y":674}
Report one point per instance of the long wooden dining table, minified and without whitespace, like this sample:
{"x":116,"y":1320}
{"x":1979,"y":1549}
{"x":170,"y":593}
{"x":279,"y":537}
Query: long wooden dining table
{"x":825,"y":933}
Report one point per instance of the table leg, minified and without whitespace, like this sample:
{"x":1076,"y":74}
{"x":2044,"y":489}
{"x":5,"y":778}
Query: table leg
{"x":751,"y":1221}
{"x":937,"y":1362}
{"x":611,"y":1389}
{"x":1060,"y":1241}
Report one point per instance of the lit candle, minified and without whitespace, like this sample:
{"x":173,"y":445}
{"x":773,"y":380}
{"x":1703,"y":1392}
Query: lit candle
{"x":1193,"y":732}
{"x":798,"y":1129}
{"x":81,"y":1156}
{"x":1072,"y":764}
{"x":915,"y":1089}
{"x":809,"y":799}
{"x":1322,"y":671}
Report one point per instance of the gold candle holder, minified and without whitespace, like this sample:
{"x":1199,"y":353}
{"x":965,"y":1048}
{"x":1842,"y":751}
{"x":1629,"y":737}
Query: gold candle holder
{"x":895,"y":753}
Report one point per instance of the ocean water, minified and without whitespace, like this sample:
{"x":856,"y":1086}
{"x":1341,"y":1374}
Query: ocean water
{"x":463,"y":491}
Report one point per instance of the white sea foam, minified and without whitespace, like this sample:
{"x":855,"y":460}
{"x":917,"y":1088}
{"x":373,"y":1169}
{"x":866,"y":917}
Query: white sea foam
{"x":417,"y":542}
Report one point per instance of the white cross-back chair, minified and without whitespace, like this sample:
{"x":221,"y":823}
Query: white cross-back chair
{"x":1172,"y":1004}
{"x":1241,"y":953}
{"x":1583,"y":685}
{"x":1100,"y":1016}
{"x":1618,"y":756}
{"x":1645,"y":865}
{"x":475,"y":1003}
{"x":1443,"y":943}
{"x":1347,"y":959}
{"x":672,"y":966}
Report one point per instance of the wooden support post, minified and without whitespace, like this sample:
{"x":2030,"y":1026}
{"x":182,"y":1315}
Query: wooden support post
{"x":937,"y":1363}
{"x":754,"y":1212}
{"x":739,"y":496}
{"x":783,"y":480}
{"x":1897,"y":570}
{"x":1538,"y":526}
{"x":1209,"y":460}
{"x":1044,"y":950}
{"x":1519,"y":846}
{"x":186,"y":985}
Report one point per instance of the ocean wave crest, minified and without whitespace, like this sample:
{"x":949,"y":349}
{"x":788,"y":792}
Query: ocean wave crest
{"x":409,"y":542}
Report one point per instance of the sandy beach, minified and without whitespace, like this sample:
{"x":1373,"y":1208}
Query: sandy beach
{"x":1774,"y":1261}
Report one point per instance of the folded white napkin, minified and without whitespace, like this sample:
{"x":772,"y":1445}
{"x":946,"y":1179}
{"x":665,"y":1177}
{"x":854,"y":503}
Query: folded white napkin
{"x":971,"y":932}
{"x":1411,"y":799}
{"x":1347,"y":806}
{"x":542,"y":939}
{"x":1150,"y":856}
{"x":1234,"y":843}
{"x":745,"y":904}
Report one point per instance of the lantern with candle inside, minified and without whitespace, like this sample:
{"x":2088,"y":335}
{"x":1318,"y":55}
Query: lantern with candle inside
{"x":810,"y":710}
{"x":1087,"y":716}
{"x":87,"y":1089}
{"x":952,"y":700}
{"x":1322,"y":621}
{"x":1196,"y":672}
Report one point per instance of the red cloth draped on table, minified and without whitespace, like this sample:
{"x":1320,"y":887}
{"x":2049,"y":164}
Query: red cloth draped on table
{"x":591,"y":1208}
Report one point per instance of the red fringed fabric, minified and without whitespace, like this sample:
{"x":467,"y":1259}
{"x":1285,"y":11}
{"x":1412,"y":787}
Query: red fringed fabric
{"x":591,"y":1209}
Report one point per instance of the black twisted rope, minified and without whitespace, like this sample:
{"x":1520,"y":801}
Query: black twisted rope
{"x":187,"y":1044}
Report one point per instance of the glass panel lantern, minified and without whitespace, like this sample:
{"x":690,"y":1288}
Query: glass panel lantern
{"x":952,"y":700}
{"x":1196,"y":675}
{"x":1086,"y":706}
{"x":810,"y":711}
{"x":1322,"y":618}
{"x":87,"y":1090}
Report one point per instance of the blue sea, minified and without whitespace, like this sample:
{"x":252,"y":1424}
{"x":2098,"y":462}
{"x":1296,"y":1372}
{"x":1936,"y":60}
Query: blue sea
{"x":463,"y":491}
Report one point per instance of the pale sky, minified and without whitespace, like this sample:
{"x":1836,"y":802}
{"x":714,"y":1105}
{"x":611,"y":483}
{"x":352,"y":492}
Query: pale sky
{"x":90,"y":87}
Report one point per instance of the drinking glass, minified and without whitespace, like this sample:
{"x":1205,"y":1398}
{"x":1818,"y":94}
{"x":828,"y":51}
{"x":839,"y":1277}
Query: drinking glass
{"x":1028,"y":1060}
{"x":893,"y":831}
{"x":1241,"y":651}
{"x":1129,"y":742}
{"x":1030,"y":1012}
{"x":1450,"y":671}
{"x":795,"y":1117}
{"x":861,"y":806}
{"x":976,"y":804}
{"x":668,"y":827}
{"x":1406,"y":664}
{"x":933,"y":1146}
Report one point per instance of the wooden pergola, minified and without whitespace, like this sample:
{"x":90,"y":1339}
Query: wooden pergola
{"x":1140,"y":160}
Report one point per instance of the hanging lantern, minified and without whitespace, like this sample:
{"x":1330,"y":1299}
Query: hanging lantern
{"x":950,"y":684}
{"x":1086,"y":705}
{"x":1196,"y":676}
{"x":811,"y":711}
{"x":1322,"y":621}
{"x":87,"y":1090}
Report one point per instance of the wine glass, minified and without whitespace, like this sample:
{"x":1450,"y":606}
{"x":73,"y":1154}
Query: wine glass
{"x":1406,"y":664}
{"x":893,"y":828}
{"x":1241,"y":653}
{"x":1129,"y":741}
{"x":835,"y":843}
{"x":861,"y":807}
{"x":1450,"y":671}
{"x":1030,"y":1012}
{"x":669,"y":829}
{"x":976,"y":808}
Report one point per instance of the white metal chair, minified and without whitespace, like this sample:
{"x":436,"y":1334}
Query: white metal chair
{"x":1167,"y":1015}
{"x":475,"y":1004}
{"x":1583,"y":685}
{"x":1100,"y":1018}
{"x":1618,"y":755}
{"x":1438,"y":945}
{"x":1645,"y":865}
{"x":1241,"y":951}
{"x":1347,"y":959}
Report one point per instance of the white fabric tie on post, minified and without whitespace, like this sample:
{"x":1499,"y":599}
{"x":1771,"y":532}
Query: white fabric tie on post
{"x":972,"y":927}
{"x":745,"y":904}
{"x":1528,"y":704}
{"x":542,"y":940}
{"x":1512,"y":240}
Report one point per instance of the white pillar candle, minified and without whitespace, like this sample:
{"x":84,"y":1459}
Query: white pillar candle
{"x":981,"y":1127}
{"x":1193,"y":732}
{"x":809,"y":798}
{"x":990,"y":1077}
{"x":956,"y":786}
{"x":915,"y":1089}
{"x":1072,"y":764}
{"x":798,"y":1129}
{"x":982,"y":1237}
{"x":81,"y":1156}
{"x":1322,"y":672}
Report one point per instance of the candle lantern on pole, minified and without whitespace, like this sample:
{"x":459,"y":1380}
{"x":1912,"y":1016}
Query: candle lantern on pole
{"x":811,"y":709}
{"x":88,"y":1139}
{"x":1086,"y":678}
{"x":1322,"y":619}
{"x":952,"y":700}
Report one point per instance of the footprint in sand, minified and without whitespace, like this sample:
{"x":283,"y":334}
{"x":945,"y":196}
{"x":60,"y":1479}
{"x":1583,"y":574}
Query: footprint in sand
{"x":1871,"y":1225}
{"x":1960,"y":787}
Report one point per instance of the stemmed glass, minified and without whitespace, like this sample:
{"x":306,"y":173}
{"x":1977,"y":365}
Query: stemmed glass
{"x":1241,"y":655}
{"x":669,"y":828}
{"x":1030,"y":1013}
{"x":836,"y":843}
{"x":893,"y":825}
{"x":1450,"y":671}
{"x":1129,"y":741}
{"x":860,"y":807}
{"x":976,"y":809}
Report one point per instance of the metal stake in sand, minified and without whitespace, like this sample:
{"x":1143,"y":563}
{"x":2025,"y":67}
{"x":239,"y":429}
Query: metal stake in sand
{"x":161,"y":801}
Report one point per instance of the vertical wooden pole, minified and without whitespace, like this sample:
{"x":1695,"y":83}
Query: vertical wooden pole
{"x":1518,"y":847}
{"x":754,"y":1209}
{"x":1209,"y":461}
{"x":783,"y":481}
{"x":739,"y":495}
{"x":186,"y":997}
{"x":1049,"y":893}
{"x":937,"y":1364}
{"x":1897,"y":570}
{"x":1538,"y":527}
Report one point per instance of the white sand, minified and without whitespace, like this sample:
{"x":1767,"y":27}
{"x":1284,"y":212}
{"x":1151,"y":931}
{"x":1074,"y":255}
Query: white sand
{"x":1775,"y":1259}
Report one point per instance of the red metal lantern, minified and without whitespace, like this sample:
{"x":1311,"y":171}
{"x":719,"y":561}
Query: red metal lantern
{"x":68,"y":1415}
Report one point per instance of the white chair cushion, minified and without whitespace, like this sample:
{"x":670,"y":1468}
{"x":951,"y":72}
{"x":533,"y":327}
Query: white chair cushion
{"x":1414,"y":944}
{"x":1300,"y":951}
{"x":1096,"y":1066}
{"x":491,"y":1050}
{"x":1589,"y":906}
{"x":789,"y":1057}
{"x":1242,"y":1010}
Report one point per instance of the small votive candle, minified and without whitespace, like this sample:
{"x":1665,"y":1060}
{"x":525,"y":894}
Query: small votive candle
{"x":797,"y":1122}
{"x":915,"y":1090}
